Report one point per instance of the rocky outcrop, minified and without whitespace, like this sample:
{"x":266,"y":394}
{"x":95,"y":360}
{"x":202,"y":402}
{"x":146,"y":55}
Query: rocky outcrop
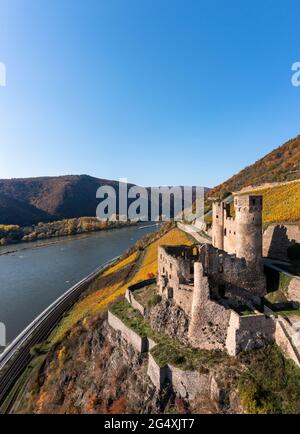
{"x":293,"y":292}
{"x":170,"y":319}
{"x":94,"y":371}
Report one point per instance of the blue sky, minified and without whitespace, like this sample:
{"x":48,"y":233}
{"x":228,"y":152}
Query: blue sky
{"x":158,"y":91}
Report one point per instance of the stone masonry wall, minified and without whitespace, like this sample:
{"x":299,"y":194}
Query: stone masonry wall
{"x":241,"y":235}
{"x":246,"y":333}
{"x":135,"y":304}
{"x":293,"y":293}
{"x":209,"y":320}
{"x":183,"y":298}
{"x":187,"y":384}
{"x":283,"y":337}
{"x":172,"y":268}
{"x":231,"y":271}
{"x":278,"y":238}
{"x":140,"y":344}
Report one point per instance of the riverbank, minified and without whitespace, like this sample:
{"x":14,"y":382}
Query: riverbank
{"x":13,"y":234}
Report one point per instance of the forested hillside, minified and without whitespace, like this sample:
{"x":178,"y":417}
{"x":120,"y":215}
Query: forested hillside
{"x":31,"y":200}
{"x":282,"y":164}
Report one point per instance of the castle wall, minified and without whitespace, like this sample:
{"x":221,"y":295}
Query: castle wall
{"x":236,"y":273}
{"x":157,"y":374}
{"x":173,"y":268}
{"x":288,"y":340}
{"x":209,"y":320}
{"x":230,"y":236}
{"x":140,"y":344}
{"x":248,"y":218}
{"x":246,"y":333}
{"x":187,"y":384}
{"x":135,"y":304}
{"x":174,"y":278}
{"x":293,"y":292}
{"x":183,"y":297}
{"x":278,"y":238}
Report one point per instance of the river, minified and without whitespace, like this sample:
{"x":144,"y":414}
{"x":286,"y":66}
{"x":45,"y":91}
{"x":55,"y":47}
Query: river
{"x":33,"y":275}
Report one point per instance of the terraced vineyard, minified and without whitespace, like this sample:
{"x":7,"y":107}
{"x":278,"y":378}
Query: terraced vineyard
{"x":281,"y":203}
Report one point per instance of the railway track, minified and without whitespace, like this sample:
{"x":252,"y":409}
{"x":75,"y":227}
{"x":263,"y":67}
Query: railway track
{"x":16,"y":356}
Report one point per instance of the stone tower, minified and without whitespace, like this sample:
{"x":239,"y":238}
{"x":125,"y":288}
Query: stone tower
{"x":218,"y":225}
{"x":241,"y":235}
{"x":248,"y":223}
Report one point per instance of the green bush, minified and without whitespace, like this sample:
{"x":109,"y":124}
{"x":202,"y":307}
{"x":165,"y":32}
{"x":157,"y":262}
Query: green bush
{"x":154,"y":300}
{"x":270,"y":383}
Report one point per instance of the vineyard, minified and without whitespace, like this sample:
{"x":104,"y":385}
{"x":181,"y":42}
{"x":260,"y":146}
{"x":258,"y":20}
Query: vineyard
{"x":281,"y":203}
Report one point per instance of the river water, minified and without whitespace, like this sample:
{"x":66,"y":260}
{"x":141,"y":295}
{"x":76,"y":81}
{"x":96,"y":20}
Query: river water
{"x":33,"y":275}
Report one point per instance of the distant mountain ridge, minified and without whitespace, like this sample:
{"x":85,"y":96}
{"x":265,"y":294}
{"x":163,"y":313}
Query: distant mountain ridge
{"x":31,"y":200}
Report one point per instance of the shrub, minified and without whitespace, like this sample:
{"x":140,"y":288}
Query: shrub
{"x":154,"y":300}
{"x":270,"y":383}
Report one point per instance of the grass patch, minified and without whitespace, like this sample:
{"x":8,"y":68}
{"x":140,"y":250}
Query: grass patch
{"x":284,"y":281}
{"x":270,"y":384}
{"x":147,"y":296}
{"x":288,"y":312}
{"x":131,"y":317}
{"x":276,"y":297}
{"x":154,"y":300}
{"x":245,"y":311}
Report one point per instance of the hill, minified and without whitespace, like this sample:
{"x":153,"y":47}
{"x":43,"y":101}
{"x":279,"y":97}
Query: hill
{"x":282,"y":164}
{"x":14,"y":212}
{"x":30,"y":200}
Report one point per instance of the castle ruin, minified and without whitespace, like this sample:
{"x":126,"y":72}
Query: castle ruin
{"x":215,"y":284}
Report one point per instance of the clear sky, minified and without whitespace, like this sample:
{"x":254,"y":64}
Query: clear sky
{"x":159,"y":91}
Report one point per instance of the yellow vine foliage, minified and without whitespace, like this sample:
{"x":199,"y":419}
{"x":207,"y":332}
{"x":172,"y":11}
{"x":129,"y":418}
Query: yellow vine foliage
{"x":9,"y":228}
{"x":121,"y":264}
{"x":281,"y":203}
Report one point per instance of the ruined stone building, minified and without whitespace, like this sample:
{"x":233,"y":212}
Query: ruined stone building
{"x":215,"y":283}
